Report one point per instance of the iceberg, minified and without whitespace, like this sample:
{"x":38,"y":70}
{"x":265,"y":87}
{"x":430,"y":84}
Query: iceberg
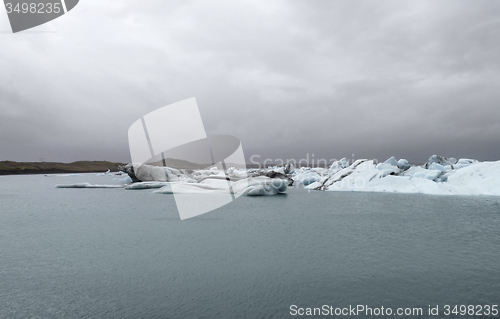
{"x":86,"y":185}
{"x":261,"y":186}
{"x":258,"y":186}
{"x":272,"y":172}
{"x":307,"y":177}
{"x":147,"y":185}
{"x":125,"y":180}
{"x":438,"y":176}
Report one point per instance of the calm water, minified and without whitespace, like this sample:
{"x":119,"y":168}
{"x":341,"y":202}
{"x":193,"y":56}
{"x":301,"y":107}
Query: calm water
{"x":111,"y":253}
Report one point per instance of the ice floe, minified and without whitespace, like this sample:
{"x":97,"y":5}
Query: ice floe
{"x":254,"y":186}
{"x":87,"y":185}
{"x":62,"y":175}
{"x":146,"y":185}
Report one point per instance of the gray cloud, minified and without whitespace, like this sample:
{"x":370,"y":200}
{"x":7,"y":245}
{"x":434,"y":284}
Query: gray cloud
{"x":288,"y":78}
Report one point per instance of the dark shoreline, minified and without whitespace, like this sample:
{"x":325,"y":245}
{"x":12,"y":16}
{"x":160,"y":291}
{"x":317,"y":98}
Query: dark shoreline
{"x":30,"y":168}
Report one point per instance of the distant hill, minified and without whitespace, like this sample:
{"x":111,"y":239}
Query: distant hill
{"x":14,"y":168}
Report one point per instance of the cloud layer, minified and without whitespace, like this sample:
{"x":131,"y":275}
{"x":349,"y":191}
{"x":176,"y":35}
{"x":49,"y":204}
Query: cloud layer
{"x":289,"y":78}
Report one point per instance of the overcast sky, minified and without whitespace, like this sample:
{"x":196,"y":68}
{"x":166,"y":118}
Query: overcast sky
{"x":289,"y":78}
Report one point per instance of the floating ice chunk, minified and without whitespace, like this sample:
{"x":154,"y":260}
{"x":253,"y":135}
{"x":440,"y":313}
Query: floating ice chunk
{"x":108,"y":172}
{"x":272,"y":187}
{"x":260,"y":190}
{"x":209,"y":185}
{"x":86,"y":185}
{"x":278,"y":184}
{"x":150,"y":173}
{"x":147,"y":185}
{"x":217,"y":182}
{"x":61,"y":175}
{"x":190,"y":189}
{"x":307,"y":177}
{"x":252,"y":187}
{"x":125,"y":180}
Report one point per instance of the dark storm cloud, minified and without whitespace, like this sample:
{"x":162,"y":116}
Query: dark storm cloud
{"x":373,"y":78}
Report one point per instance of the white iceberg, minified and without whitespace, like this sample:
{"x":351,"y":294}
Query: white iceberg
{"x":87,"y":185}
{"x":307,"y":177}
{"x":262,"y":186}
{"x":125,"y":180}
{"x":147,"y":185}
{"x":439,"y":176}
{"x":256,"y":186}
{"x":62,"y":175}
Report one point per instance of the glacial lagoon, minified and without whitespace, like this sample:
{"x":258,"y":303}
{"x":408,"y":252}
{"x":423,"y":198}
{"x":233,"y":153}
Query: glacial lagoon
{"x":113,"y":253}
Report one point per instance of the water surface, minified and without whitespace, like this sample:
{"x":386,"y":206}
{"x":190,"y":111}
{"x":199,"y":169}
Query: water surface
{"x":104,"y":253}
